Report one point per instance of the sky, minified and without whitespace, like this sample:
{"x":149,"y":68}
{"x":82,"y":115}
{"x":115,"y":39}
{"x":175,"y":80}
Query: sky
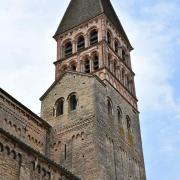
{"x":27,"y":53}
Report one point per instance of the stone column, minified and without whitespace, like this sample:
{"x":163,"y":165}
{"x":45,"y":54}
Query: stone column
{"x":101,"y":62}
{"x":103,"y":28}
{"x":78,"y":68}
{"x":91,"y":64}
{"x":120,"y":51}
{"x":62,"y":52}
{"x":112,"y":43}
{"x":86,"y":40}
{"x":111,"y":65}
{"x":74,"y":43}
{"x":82,"y":66}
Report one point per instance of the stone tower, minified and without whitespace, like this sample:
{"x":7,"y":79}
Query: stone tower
{"x":92,"y":104}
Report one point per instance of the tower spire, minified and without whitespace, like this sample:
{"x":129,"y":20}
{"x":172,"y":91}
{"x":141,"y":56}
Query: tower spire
{"x":80,"y":11}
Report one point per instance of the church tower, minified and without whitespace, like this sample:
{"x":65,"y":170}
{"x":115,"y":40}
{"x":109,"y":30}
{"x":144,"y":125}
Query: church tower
{"x":92,"y":104}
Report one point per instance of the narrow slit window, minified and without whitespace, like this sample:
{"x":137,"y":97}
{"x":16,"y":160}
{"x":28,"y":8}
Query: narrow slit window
{"x":65,"y":152}
{"x":109,"y":108}
{"x":109,"y":38}
{"x":116,"y":45}
{"x":128,"y":122}
{"x":123,"y":55}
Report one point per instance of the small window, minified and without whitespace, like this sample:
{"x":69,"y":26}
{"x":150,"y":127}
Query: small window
{"x":93,"y":37}
{"x":59,"y":107}
{"x":123,"y":55}
{"x":73,"y":67}
{"x":64,"y":68}
{"x":96,"y":62}
{"x":119,"y":115}
{"x":80,"y":43}
{"x":87,"y":66}
{"x":109,"y":38}
{"x":116,"y":45}
{"x":128,"y":121}
{"x":73,"y":102}
{"x":68,"y":49}
{"x":110,"y":111}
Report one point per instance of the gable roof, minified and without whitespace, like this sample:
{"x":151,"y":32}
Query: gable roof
{"x":80,"y":11}
{"x":69,"y":72}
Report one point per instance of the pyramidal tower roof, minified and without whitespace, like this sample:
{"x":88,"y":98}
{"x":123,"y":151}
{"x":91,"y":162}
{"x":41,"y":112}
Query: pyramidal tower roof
{"x":80,"y":11}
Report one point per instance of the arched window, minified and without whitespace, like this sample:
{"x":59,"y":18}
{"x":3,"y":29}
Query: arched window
{"x":119,"y":115}
{"x":73,"y":67}
{"x":96,"y":62}
{"x":64,"y":68}
{"x":116,"y":46}
{"x":93,"y":37}
{"x":87,"y":66}
{"x":123,"y":55}
{"x":109,"y":38}
{"x":110,"y":110}
{"x":80,"y":43}
{"x":68,"y":49}
{"x":72,"y":102}
{"x":128,"y":122}
{"x":59,"y":107}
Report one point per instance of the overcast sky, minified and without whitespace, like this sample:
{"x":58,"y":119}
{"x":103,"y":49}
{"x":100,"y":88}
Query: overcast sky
{"x":27,"y":53}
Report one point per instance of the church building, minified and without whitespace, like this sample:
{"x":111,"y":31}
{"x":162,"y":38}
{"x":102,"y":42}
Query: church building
{"x":89,"y":126}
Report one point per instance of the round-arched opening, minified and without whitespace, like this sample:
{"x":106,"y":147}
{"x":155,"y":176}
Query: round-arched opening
{"x":109,"y":38}
{"x":93,"y":37}
{"x":80,"y":43}
{"x":96,"y":62}
{"x":72,"y":102}
{"x":68,"y":49}
{"x":87,"y":66}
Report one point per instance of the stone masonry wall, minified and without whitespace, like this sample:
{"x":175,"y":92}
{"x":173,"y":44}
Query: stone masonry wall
{"x":20,"y":162}
{"x":120,"y":151}
{"x":73,"y":142}
{"x":27,"y":127}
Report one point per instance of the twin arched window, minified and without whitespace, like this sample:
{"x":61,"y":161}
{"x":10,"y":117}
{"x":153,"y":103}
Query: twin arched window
{"x":59,"y":105}
{"x":68,"y":50}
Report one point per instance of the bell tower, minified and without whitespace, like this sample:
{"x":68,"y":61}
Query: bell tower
{"x":92,"y":104}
